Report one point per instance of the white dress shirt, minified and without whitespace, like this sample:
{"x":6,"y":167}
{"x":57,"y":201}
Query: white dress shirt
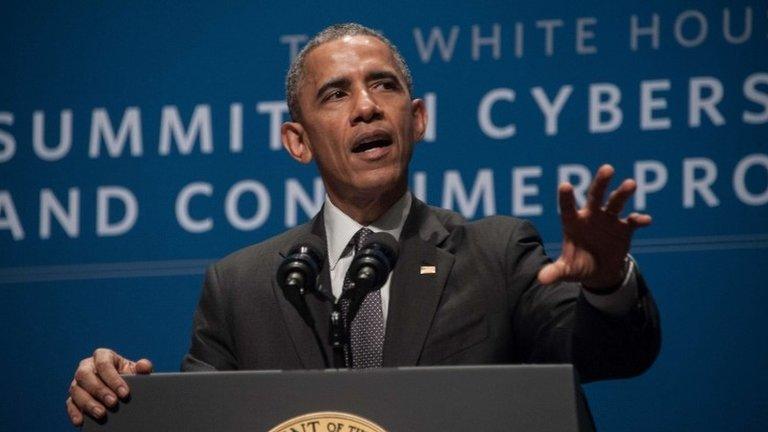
{"x":340,"y":228}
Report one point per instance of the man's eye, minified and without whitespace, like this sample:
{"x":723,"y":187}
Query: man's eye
{"x":386,"y":85}
{"x":334,"y":95}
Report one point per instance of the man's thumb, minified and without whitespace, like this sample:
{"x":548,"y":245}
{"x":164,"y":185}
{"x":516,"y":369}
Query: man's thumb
{"x":143,"y":367}
{"x":550,"y":273}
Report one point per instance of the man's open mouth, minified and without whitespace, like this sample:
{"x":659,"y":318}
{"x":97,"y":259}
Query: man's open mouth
{"x":371,"y":143}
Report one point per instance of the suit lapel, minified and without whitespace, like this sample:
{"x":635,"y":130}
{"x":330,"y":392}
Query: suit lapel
{"x":302,"y":337}
{"x":415,"y":289}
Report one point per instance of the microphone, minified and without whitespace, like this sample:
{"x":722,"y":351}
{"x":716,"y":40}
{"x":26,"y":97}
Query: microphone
{"x":297,"y":274}
{"x":301,"y":266}
{"x":372,"y":263}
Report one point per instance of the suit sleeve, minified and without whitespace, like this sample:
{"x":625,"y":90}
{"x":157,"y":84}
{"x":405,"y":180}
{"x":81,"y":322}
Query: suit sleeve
{"x":211,"y":345}
{"x":556,"y":324}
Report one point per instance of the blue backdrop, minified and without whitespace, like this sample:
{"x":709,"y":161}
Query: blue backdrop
{"x":138,"y":143}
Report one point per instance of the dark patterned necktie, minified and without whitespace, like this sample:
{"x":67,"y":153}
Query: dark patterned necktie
{"x":367,"y":328}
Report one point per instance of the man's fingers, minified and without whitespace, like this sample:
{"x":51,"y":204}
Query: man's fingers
{"x":106,"y":363}
{"x":97,"y":384}
{"x":143,"y":367}
{"x":75,"y":415}
{"x":85,"y":402}
{"x":598,"y":186}
{"x":567,"y":201}
{"x":638,"y":220}
{"x":87,"y":379}
{"x":619,"y":197}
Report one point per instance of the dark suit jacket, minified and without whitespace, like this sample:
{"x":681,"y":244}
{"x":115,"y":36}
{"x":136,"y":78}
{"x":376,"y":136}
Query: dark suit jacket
{"x":482,"y":306}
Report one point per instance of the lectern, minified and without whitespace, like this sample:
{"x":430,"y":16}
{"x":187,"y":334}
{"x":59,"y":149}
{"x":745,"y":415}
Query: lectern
{"x":475,"y":398}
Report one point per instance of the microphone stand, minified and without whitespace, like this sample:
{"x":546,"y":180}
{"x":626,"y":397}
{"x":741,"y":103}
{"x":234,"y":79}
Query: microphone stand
{"x":339,"y":339}
{"x":341,"y":324}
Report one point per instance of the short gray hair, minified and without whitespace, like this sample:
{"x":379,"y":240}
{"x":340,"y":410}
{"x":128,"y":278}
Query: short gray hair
{"x":337,"y":31}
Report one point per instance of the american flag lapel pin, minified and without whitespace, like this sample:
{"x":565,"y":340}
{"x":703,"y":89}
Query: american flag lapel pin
{"x":428,"y":270}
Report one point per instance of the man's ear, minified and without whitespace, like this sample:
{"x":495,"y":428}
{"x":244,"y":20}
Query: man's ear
{"x":419,"y":113}
{"x":296,"y":141}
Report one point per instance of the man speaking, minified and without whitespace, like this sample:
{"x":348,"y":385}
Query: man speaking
{"x":460,"y":293}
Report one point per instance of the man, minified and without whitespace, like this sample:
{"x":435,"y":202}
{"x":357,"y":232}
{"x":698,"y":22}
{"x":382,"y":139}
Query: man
{"x":489,"y":295}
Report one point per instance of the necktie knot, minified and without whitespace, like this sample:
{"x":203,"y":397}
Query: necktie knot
{"x":359,"y":238}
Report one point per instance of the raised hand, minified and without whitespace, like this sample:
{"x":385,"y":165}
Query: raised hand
{"x":596,"y":239}
{"x":97,"y":384}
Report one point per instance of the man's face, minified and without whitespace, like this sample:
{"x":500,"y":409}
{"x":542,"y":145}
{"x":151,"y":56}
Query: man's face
{"x":357,"y":118}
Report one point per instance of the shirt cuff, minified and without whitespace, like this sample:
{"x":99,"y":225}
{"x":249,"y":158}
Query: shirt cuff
{"x":620,"y":301}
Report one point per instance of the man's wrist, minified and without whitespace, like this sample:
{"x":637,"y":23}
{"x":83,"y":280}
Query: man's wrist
{"x":627,"y":271}
{"x":620,"y":300}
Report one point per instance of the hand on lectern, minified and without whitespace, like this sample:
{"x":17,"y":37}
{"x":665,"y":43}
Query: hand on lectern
{"x":97,"y":384}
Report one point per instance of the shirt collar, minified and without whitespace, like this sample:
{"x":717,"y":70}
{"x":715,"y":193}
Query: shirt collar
{"x":340,"y":228}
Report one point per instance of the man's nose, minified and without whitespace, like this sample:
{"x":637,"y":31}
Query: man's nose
{"x":366,"y":108}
